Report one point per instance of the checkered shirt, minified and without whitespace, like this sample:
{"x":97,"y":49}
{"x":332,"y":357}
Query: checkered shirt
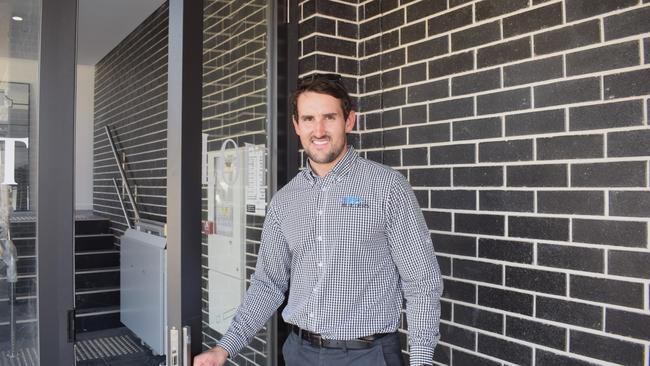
{"x":353,"y":244}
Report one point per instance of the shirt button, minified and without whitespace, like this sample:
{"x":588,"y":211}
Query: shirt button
{"x":320,"y":238}
{"x":320,"y":264}
{"x":315,"y":289}
{"x":320,"y":212}
{"x":311,"y":315}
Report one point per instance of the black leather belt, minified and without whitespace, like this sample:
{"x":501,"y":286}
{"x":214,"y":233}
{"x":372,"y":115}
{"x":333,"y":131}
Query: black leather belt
{"x":316,"y":340}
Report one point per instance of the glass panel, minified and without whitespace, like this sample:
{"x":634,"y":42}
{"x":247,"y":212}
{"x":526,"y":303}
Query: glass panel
{"x":19,"y":39}
{"x":235,"y":163}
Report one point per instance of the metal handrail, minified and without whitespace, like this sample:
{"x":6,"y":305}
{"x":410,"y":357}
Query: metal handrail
{"x":136,"y":213}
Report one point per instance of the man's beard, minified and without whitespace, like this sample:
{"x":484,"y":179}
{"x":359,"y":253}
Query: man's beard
{"x":328,"y":157}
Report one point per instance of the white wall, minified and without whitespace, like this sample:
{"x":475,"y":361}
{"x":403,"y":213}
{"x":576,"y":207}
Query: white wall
{"x":84,"y":138}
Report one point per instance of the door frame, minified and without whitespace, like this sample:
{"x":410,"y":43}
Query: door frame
{"x":54,"y":181}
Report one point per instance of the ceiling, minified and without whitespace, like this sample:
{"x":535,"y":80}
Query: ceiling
{"x":102,"y":25}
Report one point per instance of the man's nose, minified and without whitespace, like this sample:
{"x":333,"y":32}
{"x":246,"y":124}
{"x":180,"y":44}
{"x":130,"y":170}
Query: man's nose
{"x":319,"y":127}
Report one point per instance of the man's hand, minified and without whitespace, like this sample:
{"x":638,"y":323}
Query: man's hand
{"x":214,"y":357}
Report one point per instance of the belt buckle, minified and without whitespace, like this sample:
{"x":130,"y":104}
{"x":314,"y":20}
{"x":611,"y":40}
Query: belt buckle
{"x":319,"y":340}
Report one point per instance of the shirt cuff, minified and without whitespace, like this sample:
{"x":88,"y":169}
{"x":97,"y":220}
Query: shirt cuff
{"x":231,"y":344}
{"x":421,"y":355}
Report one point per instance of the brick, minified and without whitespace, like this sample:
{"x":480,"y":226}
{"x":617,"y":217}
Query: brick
{"x":500,"y":151}
{"x":536,"y":280}
{"x":413,"y":32}
{"x":568,"y":257}
{"x":609,"y":232}
{"x":393,"y":59}
{"x":477,"y":318}
{"x":512,"y":301}
{"x":628,"y":324}
{"x":454,"y":3}
{"x":504,"y":52}
{"x":452,"y":154}
{"x":394,"y":137}
{"x":566,"y":38}
{"x":627,"y":24}
{"x":460,"y":337}
{"x":629,"y":203}
{"x":569,"y":312}
{"x":370,"y":102}
{"x":390,"y":118}
{"x":449,"y":21}
{"x":628,"y":143}
{"x":477,"y":271}
{"x":603,"y":58}
{"x":393,"y":20}
{"x":616,"y":174}
{"x":442,"y":354}
{"x":348,"y":30}
{"x":534,"y":123}
{"x":570,"y":147}
{"x":462,"y":358}
{"x":390,"y":79}
{"x":606,"y":291}
{"x":428,"y":49}
{"x":437,"y":220}
{"x":538,"y":227}
{"x":430,"y":177}
{"x":476,"y":128}
{"x":445,"y":310}
{"x":533,"y":71}
{"x":428,"y":91}
{"x":535,"y":332}
{"x":567,"y":92}
{"x":394,"y":98}
{"x":476,"y":36}
{"x":514,"y":201}
{"x":331,"y":45}
{"x":429,"y":133}
{"x":453,"y":108}
{"x":476,"y":82}
{"x":451,"y":64}
{"x":478,"y":176}
{"x":506,"y":350}
{"x":479,"y":224}
{"x":629,"y":264}
{"x":493,"y":8}
{"x":414,"y":114}
{"x":370,"y":140}
{"x":421,"y":9}
{"x":413,"y":73}
{"x":504,"y":101}
{"x":505,"y":250}
{"x":370,"y":28}
{"x":571,"y":202}
{"x":416,"y":156}
{"x":454,"y":244}
{"x":627,"y":84}
{"x":422,"y":197}
{"x":646,"y":47}
{"x":317,"y":24}
{"x":389,"y":157}
{"x":533,"y":20}
{"x":453,"y":199}
{"x":608,"y":115}
{"x":579,"y":9}
{"x":545,"y":358}
{"x":606,"y":348}
{"x":461,"y":291}
{"x":335,"y":9}
{"x":550,"y":175}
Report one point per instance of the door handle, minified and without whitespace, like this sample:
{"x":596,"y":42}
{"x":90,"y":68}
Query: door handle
{"x":187,"y":346}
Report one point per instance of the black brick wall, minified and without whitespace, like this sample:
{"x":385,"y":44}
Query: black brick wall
{"x":523,"y":127}
{"x":131,"y":98}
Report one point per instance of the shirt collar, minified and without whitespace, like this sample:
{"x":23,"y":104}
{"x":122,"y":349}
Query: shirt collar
{"x":338,"y":171}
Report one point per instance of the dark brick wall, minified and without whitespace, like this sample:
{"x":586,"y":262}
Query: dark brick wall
{"x":235,"y":107}
{"x":523,"y":127}
{"x":131,"y":98}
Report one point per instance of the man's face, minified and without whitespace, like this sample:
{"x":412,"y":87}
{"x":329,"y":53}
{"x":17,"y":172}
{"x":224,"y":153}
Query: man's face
{"x":322,"y":129}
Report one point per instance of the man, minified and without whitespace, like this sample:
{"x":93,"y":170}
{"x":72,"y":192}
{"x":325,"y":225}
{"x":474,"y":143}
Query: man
{"x":349,"y":236}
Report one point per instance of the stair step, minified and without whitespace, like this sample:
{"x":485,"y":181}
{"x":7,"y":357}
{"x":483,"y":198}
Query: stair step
{"x":97,"y":260}
{"x":85,"y":281}
{"x":97,"y":300}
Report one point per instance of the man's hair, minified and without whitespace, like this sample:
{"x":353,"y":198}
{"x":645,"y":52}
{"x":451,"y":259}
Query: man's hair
{"x":330,"y":84}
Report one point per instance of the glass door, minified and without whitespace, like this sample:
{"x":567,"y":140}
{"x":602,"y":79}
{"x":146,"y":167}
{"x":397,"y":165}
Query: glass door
{"x":20,"y":22}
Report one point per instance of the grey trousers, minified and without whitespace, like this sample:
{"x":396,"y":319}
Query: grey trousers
{"x":386,"y":351}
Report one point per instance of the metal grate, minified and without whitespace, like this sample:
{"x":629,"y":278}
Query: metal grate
{"x":23,"y":357}
{"x":99,"y":348}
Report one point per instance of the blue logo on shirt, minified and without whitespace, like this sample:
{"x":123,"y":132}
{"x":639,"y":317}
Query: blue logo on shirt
{"x":354,"y":202}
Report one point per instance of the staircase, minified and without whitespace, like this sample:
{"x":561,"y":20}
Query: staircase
{"x":97,"y":275}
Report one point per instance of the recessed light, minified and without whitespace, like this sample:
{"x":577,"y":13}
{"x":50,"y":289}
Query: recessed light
{"x":17,"y":18}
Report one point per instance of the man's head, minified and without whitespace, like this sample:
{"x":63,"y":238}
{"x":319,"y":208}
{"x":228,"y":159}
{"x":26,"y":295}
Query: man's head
{"x":322,"y":117}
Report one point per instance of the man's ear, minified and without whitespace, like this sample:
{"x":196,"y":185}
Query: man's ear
{"x":296,"y":126}
{"x":350,"y":121}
